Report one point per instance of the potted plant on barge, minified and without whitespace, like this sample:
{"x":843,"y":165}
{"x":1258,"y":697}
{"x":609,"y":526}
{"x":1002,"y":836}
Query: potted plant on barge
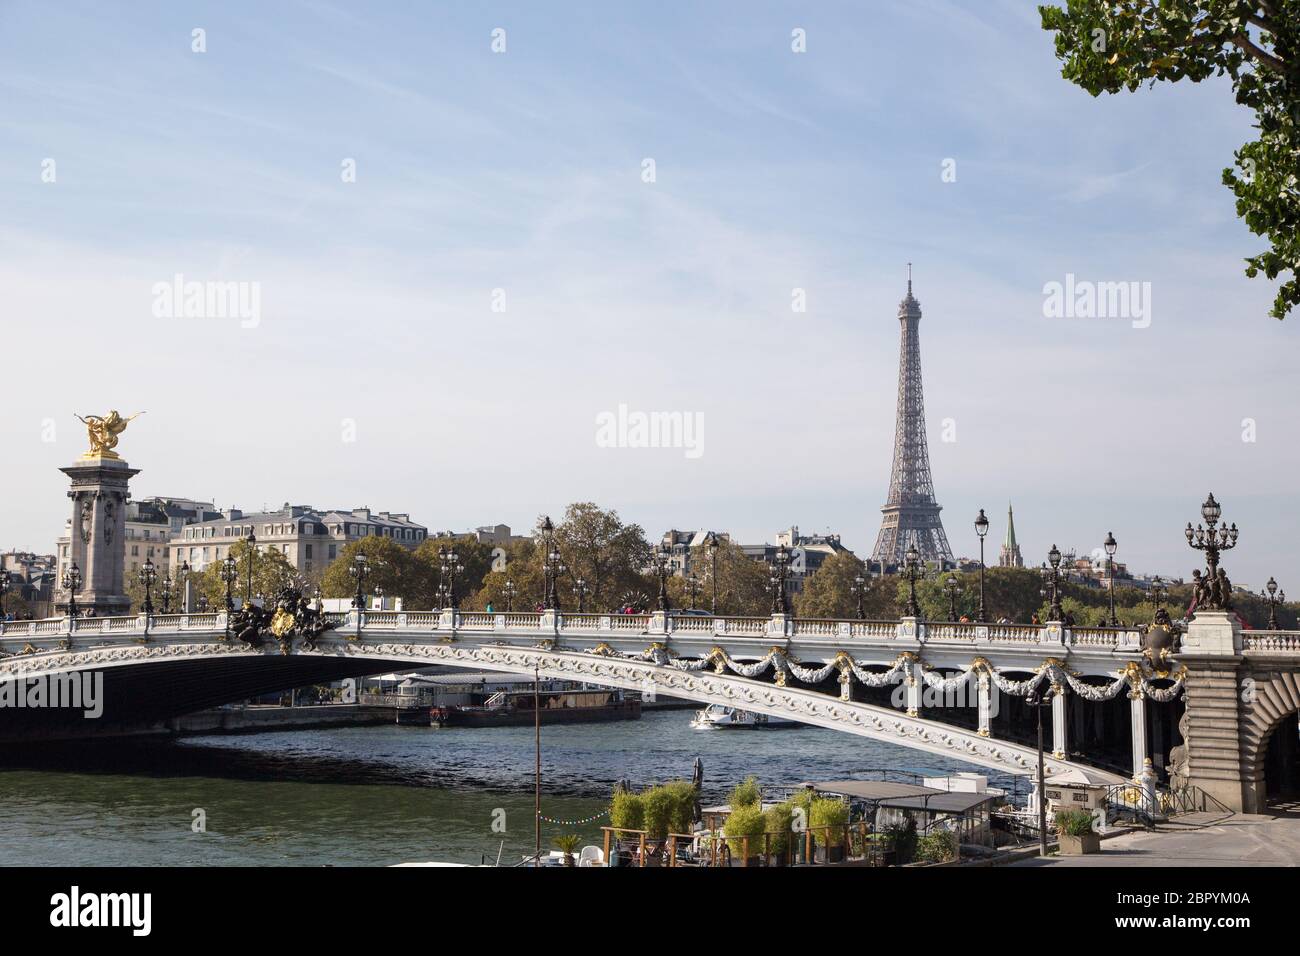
{"x":567,"y":843}
{"x":778,"y":822}
{"x":828,"y":818}
{"x":744,"y":821}
{"x":1075,"y":832}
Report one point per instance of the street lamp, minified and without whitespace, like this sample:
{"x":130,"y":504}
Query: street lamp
{"x":379,"y":596}
{"x":1159,"y":591}
{"x":662,"y":565}
{"x":252,"y":551}
{"x":510,"y":591}
{"x":1213,"y":540}
{"x":552,"y":565}
{"x":4,"y":589}
{"x":229,"y":575}
{"x":1110,"y":545}
{"x":72,"y":584}
{"x":148,"y":577}
{"x":981,"y":529}
{"x":859,"y":589}
{"x":359,"y":569}
{"x":693,"y":585}
{"x":1052,"y":580}
{"x":1273,"y":597}
{"x":1038,"y":702}
{"x":714,"y":546}
{"x":778,"y":578}
{"x":183,"y":582}
{"x":451,"y":567}
{"x":911,"y":563}
{"x":167,"y":594}
{"x":952,"y":589}
{"x":580,"y":589}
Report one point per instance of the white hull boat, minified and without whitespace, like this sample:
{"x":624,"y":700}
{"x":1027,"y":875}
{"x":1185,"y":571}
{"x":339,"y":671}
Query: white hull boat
{"x":719,"y":717}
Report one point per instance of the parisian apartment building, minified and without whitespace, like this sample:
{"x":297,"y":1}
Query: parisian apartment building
{"x":308,"y":538}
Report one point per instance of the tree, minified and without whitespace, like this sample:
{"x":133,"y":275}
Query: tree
{"x":1111,"y":45}
{"x":523,"y":569}
{"x":272,"y":572}
{"x":829,"y":591}
{"x":609,"y":556}
{"x":474,"y":556}
{"x":392,"y":568}
{"x":742,"y":583}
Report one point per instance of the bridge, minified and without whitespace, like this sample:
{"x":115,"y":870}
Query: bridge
{"x":1236,"y":689}
{"x":165,"y":665}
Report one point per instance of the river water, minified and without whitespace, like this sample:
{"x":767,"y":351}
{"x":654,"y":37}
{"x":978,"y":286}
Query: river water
{"x":383,"y":795}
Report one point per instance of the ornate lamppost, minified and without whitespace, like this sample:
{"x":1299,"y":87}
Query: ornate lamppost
{"x":510,"y":591}
{"x":451,"y":567}
{"x":359,"y":569}
{"x":952,"y":589}
{"x":148,"y":577}
{"x":1110,"y":545}
{"x":859,"y":590}
{"x":911,"y":565}
{"x":229,"y":575}
{"x":1159,"y":591}
{"x":379,"y":596}
{"x":981,"y":529}
{"x":1273,"y":597}
{"x":166,"y":590}
{"x":693,"y":585}
{"x":663,"y":565}
{"x":72,"y":584}
{"x":4,"y":589}
{"x":552,"y":566}
{"x":1215,"y":593}
{"x":580,"y":589}
{"x":183,"y":582}
{"x":1052,"y":582}
{"x":1038,"y":701}
{"x":779,"y":578}
{"x":252,"y":552}
{"x":714,"y":546}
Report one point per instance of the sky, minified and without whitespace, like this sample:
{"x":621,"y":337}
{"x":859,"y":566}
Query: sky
{"x":474,"y":230}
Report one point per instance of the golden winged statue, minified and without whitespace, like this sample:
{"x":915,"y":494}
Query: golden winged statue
{"x":103,"y":431}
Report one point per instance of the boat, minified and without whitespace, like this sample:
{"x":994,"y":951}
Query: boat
{"x":515,"y":709}
{"x":720,"y":716}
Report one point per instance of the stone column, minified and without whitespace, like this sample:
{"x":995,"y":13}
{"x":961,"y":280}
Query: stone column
{"x":1138,"y":722}
{"x":1211,"y":652}
{"x":915,"y":683}
{"x":985,"y":705}
{"x":97,"y":544}
{"x":1060,"y":725}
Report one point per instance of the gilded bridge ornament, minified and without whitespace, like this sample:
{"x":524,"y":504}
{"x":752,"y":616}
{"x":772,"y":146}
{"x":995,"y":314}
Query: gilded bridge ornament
{"x":102,"y":430}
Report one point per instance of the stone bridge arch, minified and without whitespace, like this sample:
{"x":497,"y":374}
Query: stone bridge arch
{"x":206,"y":674}
{"x":1270,"y":703}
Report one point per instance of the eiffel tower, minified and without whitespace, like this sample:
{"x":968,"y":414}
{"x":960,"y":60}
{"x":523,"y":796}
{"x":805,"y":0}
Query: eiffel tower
{"x":911,"y":515}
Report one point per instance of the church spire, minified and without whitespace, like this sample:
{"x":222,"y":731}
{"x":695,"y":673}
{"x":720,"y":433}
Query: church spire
{"x":1010,"y":556}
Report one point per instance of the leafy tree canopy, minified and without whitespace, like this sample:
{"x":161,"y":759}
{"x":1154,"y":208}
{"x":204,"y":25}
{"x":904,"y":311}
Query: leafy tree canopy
{"x":1113,"y":45}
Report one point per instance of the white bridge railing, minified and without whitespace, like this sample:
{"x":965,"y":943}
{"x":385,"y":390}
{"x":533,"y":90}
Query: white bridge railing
{"x":776,"y":627}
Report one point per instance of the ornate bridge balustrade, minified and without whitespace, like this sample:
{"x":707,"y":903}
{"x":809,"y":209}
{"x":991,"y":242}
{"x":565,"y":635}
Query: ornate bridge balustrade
{"x":751,"y":662}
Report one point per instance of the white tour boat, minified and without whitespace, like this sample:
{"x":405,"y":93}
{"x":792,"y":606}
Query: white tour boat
{"x":718,"y":716}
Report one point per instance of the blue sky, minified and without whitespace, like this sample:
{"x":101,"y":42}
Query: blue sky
{"x":522,"y":171}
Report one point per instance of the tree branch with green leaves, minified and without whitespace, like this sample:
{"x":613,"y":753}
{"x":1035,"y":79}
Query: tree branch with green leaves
{"x":1111,"y":45}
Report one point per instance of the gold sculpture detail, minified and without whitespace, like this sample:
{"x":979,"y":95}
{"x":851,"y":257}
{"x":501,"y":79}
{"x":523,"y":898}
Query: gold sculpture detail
{"x":103,"y":431}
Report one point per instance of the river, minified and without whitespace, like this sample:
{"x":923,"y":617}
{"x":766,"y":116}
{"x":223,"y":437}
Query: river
{"x":381,"y":795}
